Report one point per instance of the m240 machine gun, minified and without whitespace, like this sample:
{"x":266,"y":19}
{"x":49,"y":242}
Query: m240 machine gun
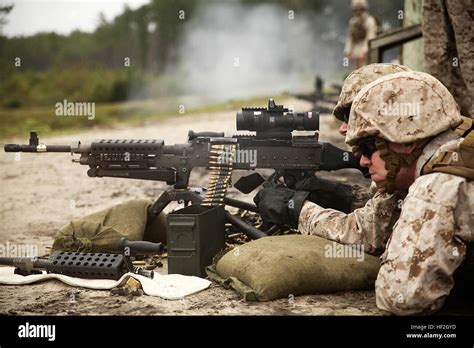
{"x":273,"y":146}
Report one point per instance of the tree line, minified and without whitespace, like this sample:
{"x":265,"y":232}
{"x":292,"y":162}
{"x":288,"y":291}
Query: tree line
{"x":91,"y":65}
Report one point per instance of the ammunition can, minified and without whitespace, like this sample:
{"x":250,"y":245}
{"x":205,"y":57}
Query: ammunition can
{"x":195,"y":236}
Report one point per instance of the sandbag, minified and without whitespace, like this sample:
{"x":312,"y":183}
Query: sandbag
{"x":275,"y":267}
{"x":101,"y":231}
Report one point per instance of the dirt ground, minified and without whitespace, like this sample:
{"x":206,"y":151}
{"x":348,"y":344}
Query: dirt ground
{"x":42,"y":192}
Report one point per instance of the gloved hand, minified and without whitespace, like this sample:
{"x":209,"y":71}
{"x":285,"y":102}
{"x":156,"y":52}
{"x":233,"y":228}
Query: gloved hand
{"x":280,"y":205}
{"x":328,"y":194}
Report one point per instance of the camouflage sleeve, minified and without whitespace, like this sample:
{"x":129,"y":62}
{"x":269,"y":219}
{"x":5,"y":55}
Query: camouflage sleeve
{"x":361,"y":195}
{"x":369,"y":226}
{"x":425,"y":248}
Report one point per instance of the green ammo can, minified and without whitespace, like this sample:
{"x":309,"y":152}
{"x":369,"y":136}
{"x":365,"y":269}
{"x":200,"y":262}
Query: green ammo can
{"x":195,"y":236}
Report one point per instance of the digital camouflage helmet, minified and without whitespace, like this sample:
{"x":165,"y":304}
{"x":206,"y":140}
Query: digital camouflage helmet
{"x":401,"y":108}
{"x":358,"y":79}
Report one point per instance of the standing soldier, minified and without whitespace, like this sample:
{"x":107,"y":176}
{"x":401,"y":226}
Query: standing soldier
{"x":448,"y":43}
{"x":362,"y":28}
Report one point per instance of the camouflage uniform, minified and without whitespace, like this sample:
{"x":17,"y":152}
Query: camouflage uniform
{"x":448,"y":34}
{"x":378,"y":215}
{"x":362,"y":194}
{"x":369,"y":226}
{"x":428,"y":242}
{"x":352,"y":85}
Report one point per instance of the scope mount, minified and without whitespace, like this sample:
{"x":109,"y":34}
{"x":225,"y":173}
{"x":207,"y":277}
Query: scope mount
{"x":272,"y":108}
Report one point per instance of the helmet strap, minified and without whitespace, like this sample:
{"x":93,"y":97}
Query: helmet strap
{"x":394,"y":161}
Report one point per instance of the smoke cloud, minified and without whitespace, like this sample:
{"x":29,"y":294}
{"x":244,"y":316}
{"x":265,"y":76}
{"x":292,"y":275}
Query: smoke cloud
{"x":230,"y":50}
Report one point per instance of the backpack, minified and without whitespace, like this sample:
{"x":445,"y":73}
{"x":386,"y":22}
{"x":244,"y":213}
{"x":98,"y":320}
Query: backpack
{"x":358,"y":29}
{"x":459,"y":161}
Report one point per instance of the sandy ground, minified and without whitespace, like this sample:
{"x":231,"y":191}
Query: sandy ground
{"x":42,"y":192}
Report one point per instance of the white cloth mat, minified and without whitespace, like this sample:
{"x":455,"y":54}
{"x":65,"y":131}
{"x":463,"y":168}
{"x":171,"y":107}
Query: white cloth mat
{"x":169,"y":287}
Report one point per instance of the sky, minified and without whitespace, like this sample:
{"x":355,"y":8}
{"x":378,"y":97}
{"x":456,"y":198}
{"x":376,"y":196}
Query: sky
{"x":61,"y":16}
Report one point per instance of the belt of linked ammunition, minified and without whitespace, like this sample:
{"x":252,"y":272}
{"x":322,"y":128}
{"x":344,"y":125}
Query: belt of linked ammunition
{"x":221,"y":161}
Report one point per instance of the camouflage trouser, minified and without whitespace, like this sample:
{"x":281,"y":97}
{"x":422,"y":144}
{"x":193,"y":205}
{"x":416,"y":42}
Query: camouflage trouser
{"x":449,"y":47}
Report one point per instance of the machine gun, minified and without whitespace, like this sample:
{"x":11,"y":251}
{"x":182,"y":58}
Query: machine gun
{"x":292,"y":157}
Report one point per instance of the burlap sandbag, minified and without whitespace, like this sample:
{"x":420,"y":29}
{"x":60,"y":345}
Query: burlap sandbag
{"x":275,"y":267}
{"x":101,"y":231}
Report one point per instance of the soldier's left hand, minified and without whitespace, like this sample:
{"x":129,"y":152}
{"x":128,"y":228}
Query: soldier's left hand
{"x":280,"y":205}
{"x":327,"y":193}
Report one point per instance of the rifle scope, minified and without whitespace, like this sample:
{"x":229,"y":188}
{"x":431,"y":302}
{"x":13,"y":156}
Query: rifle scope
{"x":276,"y":117}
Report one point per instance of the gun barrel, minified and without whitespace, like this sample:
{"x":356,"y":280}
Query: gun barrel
{"x":27,"y":263}
{"x":7,"y":261}
{"x":36,"y":148}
